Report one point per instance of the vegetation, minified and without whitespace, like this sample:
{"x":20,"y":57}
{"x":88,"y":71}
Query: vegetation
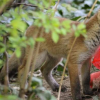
{"x":17,"y":15}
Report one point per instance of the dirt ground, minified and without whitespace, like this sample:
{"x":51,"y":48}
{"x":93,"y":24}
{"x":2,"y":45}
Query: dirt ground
{"x":65,"y":95}
{"x":66,"y":82}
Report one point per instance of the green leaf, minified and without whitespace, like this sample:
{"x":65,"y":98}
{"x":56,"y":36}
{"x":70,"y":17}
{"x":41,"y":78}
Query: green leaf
{"x":57,"y":30}
{"x":55,"y":37}
{"x":60,"y":68}
{"x":77,"y":33}
{"x":31,"y":42}
{"x":81,"y":26}
{"x":55,"y":22}
{"x":74,"y":27}
{"x":2,"y":50}
{"x":18,"y":24}
{"x":1,"y":63}
{"x":36,"y":81}
{"x":18,"y":52}
{"x":40,"y":39}
{"x":63,"y":31}
{"x":66,"y":24}
{"x":9,"y":97}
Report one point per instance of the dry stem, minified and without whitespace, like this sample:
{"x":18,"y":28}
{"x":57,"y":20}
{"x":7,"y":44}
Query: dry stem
{"x":35,"y":57}
{"x":65,"y":67}
{"x":23,"y":75}
{"x":91,"y":10}
{"x":6,"y":78}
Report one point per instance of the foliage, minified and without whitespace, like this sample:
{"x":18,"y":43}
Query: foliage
{"x":76,"y":8}
{"x":37,"y":88}
{"x":9,"y":97}
{"x":15,"y":20}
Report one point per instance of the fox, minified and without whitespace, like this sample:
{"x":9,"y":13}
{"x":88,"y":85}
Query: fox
{"x":52,"y":53}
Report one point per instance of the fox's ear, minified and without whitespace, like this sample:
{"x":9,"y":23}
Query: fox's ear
{"x":98,"y":15}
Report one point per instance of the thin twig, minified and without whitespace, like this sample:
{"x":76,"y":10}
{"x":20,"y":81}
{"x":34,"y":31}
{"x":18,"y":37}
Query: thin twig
{"x":81,"y":18}
{"x":70,"y":53}
{"x":6,"y":78}
{"x":35,"y":57}
{"x":27,"y":63}
{"x":15,"y":4}
{"x":65,"y":67}
{"x":56,"y":5}
{"x":36,"y":54}
{"x":91,"y":10}
{"x":26,"y":71}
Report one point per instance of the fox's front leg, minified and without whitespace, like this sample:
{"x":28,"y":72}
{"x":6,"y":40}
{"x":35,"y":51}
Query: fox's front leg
{"x":85,"y":73}
{"x":74,"y":81}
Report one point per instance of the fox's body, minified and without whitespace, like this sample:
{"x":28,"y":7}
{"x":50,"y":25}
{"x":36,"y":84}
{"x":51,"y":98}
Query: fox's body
{"x":51,"y":53}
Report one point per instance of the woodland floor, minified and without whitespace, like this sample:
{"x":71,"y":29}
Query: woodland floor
{"x":64,"y":95}
{"x":67,"y":95}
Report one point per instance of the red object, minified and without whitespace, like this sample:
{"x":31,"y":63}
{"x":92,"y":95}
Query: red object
{"x":96,"y":60}
{"x":93,"y":76}
{"x":96,"y":63}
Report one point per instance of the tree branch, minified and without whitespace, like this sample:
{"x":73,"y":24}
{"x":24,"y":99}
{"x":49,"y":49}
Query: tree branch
{"x":5,"y":6}
{"x":17,"y":4}
{"x":6,"y":78}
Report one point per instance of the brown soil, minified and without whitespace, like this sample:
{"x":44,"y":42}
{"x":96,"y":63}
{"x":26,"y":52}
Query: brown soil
{"x":64,"y":95}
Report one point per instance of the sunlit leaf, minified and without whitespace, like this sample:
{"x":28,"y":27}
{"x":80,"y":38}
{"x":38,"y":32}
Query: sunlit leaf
{"x":55,"y":37}
{"x":77,"y":33}
{"x":40,"y":39}
{"x":18,"y":52}
{"x":81,"y":26}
